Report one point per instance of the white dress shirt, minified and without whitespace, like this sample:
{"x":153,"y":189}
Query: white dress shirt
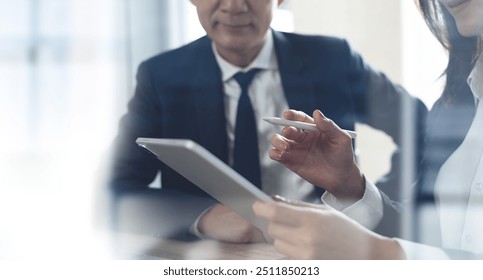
{"x":268,"y":100}
{"x":459,"y":187}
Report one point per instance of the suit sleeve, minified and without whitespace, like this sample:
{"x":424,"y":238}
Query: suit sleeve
{"x":131,"y":166}
{"x":133,"y":206}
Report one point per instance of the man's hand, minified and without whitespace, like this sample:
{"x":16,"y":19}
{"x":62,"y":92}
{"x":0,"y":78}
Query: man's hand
{"x":222,"y":224}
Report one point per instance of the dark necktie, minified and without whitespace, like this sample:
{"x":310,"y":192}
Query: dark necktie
{"x":245,"y":154}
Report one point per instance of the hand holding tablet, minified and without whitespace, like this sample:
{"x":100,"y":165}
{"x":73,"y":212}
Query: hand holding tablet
{"x":210,"y":174}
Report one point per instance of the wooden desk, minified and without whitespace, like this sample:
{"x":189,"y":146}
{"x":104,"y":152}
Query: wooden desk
{"x":133,"y":246}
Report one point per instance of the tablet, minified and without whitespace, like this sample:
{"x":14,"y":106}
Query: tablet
{"x":210,"y":174}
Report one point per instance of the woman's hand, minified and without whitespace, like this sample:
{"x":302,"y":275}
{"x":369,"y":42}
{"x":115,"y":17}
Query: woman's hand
{"x":222,"y":224}
{"x":321,"y":232}
{"x":323,"y":158}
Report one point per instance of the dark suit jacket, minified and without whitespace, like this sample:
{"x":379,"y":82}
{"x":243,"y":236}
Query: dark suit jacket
{"x":179,"y":94}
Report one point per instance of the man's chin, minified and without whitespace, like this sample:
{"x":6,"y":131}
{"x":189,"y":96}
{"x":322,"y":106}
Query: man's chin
{"x":234,"y":42}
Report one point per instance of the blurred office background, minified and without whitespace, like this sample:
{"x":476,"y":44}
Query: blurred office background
{"x":67,"y":70}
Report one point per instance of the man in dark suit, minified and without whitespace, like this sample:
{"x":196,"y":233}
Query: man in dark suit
{"x":191,"y":92}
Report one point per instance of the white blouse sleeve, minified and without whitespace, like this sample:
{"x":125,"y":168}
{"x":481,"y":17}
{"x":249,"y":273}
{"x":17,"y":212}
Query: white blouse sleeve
{"x":367,"y":211}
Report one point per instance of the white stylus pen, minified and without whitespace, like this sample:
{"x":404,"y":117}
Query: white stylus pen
{"x":301,"y":125}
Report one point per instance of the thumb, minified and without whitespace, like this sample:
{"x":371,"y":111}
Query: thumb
{"x":298,"y":203}
{"x":327,"y":126}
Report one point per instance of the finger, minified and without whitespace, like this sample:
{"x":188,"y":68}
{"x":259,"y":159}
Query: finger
{"x":298,"y":202}
{"x":275,"y":154}
{"x":294,"y":134}
{"x":283,"y":157}
{"x":329,"y":127}
{"x":262,"y":209}
{"x":266,"y":210}
{"x":279,"y":142}
{"x":278,"y":212}
{"x":297,"y":116}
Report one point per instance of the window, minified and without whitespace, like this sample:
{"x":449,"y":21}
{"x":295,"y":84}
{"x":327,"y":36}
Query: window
{"x":67,"y":71}
{"x":63,"y":77}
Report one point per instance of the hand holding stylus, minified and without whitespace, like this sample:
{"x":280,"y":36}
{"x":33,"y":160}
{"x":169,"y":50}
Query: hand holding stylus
{"x":325,"y":159}
{"x":301,"y":125}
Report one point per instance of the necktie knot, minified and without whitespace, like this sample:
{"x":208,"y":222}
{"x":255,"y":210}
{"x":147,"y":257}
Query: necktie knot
{"x":244,"y":79}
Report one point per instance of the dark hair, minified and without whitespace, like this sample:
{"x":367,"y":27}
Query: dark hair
{"x":463,"y":51}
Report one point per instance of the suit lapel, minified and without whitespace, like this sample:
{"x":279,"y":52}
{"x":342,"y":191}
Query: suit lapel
{"x":298,"y":89}
{"x":208,"y":94}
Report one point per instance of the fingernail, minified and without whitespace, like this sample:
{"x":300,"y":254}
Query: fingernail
{"x":320,"y":113}
{"x":278,"y":157}
{"x":284,"y":115}
{"x":284,"y":148}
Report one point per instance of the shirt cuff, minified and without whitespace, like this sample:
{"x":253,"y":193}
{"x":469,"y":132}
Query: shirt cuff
{"x":418,"y":251}
{"x":367,"y":211}
{"x":194,"y":227}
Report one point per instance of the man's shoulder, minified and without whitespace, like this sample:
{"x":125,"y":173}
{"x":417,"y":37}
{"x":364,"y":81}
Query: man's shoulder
{"x":313,"y":49}
{"x":179,"y":55}
{"x":310,"y":41}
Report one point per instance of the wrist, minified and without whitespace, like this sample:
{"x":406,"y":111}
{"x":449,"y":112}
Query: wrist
{"x":357,"y":185}
{"x":353,"y":188}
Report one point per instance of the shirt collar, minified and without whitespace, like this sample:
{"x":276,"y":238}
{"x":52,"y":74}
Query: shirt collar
{"x":266,"y":60}
{"x":475,"y":79}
